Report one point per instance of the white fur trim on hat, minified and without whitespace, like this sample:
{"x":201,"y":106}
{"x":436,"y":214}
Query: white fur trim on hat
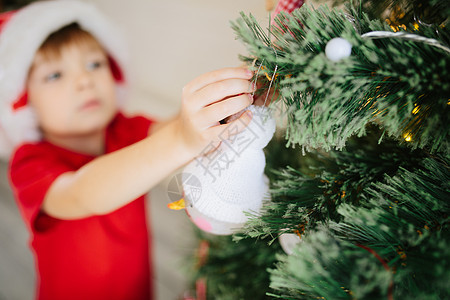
{"x":23,"y":35}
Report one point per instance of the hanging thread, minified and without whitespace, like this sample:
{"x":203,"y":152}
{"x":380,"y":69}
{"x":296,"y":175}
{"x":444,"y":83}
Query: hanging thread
{"x":406,"y":36}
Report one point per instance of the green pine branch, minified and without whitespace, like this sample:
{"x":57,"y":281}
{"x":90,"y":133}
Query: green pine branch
{"x":402,"y":85}
{"x":312,"y":194}
{"x":234,"y":270}
{"x":382,"y":196}
{"x":370,"y":198}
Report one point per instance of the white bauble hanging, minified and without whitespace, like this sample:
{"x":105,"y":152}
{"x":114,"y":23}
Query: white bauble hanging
{"x":231,"y":179}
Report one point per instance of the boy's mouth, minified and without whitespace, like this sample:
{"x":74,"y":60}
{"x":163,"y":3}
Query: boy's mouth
{"x":90,"y":104}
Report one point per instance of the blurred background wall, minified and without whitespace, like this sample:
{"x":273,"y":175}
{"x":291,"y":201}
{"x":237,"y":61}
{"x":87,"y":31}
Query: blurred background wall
{"x":170,"y":42}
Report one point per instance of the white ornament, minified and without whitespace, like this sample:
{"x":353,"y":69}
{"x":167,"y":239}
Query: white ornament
{"x":337,"y":49}
{"x":288,"y":242}
{"x":230,"y":180}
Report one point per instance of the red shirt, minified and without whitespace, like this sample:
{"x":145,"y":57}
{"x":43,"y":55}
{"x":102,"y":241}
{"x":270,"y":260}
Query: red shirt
{"x":98,"y":257}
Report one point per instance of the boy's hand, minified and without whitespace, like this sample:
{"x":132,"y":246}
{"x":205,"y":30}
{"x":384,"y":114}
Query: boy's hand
{"x":207,"y":100}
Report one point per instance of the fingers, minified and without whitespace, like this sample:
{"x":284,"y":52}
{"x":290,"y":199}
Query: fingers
{"x":225,"y":131}
{"x":220,"y":110}
{"x":220,"y":90}
{"x":210,"y":98}
{"x":216,"y":76}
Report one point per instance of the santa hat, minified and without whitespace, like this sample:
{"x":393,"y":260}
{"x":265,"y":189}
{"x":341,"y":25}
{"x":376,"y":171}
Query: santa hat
{"x":22,"y":32}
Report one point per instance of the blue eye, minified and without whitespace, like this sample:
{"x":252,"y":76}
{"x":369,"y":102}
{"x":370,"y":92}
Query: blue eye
{"x":53,"y":76}
{"x":94,"y":65}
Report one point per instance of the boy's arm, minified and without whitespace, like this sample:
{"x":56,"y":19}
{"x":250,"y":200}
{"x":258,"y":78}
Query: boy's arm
{"x":157,"y":125}
{"x":115,"y":179}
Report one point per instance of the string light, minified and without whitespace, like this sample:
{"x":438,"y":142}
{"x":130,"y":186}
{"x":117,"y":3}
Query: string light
{"x":407,"y":137}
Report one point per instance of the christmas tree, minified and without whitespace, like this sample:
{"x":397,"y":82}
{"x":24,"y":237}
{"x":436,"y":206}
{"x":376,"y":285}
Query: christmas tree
{"x":360,"y":179}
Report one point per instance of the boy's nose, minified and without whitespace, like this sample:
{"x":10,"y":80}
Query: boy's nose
{"x":84,"y":79}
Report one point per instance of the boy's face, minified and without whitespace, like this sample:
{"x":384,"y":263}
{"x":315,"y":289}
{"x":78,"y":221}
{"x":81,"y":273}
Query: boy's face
{"x":74,"y":94}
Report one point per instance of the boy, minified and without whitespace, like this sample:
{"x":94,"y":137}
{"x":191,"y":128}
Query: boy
{"x":80,"y":167}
